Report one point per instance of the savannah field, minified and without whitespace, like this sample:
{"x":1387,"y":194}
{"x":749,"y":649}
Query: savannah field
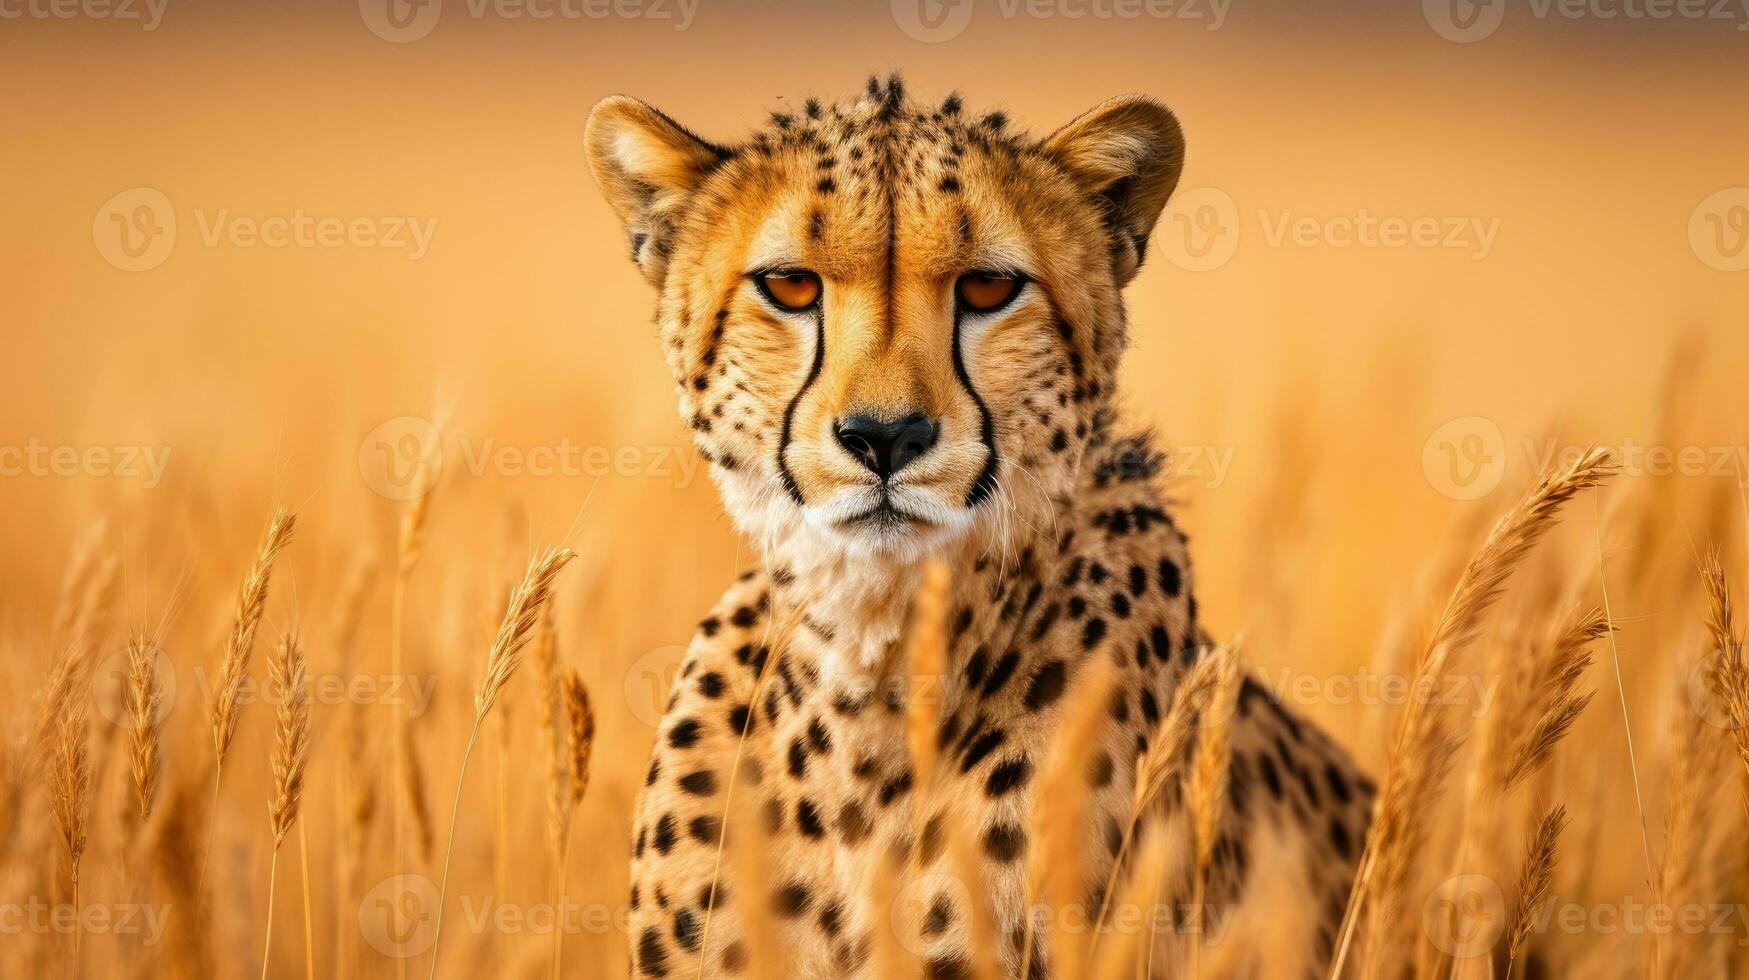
{"x":319,"y":336}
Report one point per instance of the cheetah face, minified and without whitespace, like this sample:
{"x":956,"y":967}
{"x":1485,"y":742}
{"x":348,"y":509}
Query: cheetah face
{"x":890,"y":324}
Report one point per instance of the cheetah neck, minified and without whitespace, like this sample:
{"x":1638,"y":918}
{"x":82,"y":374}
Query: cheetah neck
{"x":854,"y":609}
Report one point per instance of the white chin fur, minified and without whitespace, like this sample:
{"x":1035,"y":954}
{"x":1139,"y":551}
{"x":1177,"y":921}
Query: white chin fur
{"x":857,"y":577}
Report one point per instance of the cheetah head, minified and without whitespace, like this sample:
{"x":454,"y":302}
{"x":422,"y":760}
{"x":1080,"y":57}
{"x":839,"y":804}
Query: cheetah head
{"x":890,"y":324}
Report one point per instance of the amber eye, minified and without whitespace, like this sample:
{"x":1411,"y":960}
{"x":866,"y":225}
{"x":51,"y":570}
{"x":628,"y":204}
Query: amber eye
{"x":986,"y":291}
{"x":791,"y":289}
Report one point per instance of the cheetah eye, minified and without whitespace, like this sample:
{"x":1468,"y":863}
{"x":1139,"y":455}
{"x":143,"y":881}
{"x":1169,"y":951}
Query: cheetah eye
{"x":985,"y":292}
{"x":790,"y":289}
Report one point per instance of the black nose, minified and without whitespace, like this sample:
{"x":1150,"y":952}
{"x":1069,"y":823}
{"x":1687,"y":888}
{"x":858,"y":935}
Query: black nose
{"x":886,"y":447}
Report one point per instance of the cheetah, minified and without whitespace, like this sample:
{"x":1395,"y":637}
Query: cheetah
{"x":895,"y":329}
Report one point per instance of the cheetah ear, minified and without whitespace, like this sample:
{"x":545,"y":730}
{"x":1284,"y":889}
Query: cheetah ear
{"x":646,"y":164}
{"x":1128,"y":152}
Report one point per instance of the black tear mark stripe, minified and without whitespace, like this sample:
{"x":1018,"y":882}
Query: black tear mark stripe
{"x":789,"y":412}
{"x":985,"y":485}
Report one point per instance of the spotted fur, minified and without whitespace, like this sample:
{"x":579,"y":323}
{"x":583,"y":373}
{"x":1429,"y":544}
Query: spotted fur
{"x":1046,"y":509}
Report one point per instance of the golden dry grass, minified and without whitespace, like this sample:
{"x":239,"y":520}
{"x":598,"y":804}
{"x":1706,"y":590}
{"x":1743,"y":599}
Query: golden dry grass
{"x":132,"y":808}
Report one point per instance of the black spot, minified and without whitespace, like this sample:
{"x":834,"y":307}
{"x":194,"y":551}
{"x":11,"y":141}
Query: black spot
{"x":986,"y":744}
{"x":1007,"y":777}
{"x":808,"y":820}
{"x":832,"y":918}
{"x":666,"y":834}
{"x":1092,"y":633}
{"x":893,"y":788}
{"x":1045,"y":621}
{"x":706,"y":829}
{"x":950,"y":184}
{"x":1161,"y":641}
{"x":1271,"y":775}
{"x":940,"y":916}
{"x":711,"y":685}
{"x":686,"y":930}
{"x":798,"y":760}
{"x":684,"y":734}
{"x":652,"y":958}
{"x":1099,"y":773}
{"x":654,"y":773}
{"x":949,"y":967}
{"x":853,"y":824}
{"x":1004,"y":842}
{"x":740,"y":719}
{"x":1338,"y":785}
{"x":1171,"y":579}
{"x":700,"y":783}
{"x":932,"y":840}
{"x":1047,"y":685}
{"x":975,"y":667}
{"x":826,"y":185}
{"x":999,"y":675}
{"x":791,"y":900}
{"x":818,"y":739}
{"x":1340,"y":839}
